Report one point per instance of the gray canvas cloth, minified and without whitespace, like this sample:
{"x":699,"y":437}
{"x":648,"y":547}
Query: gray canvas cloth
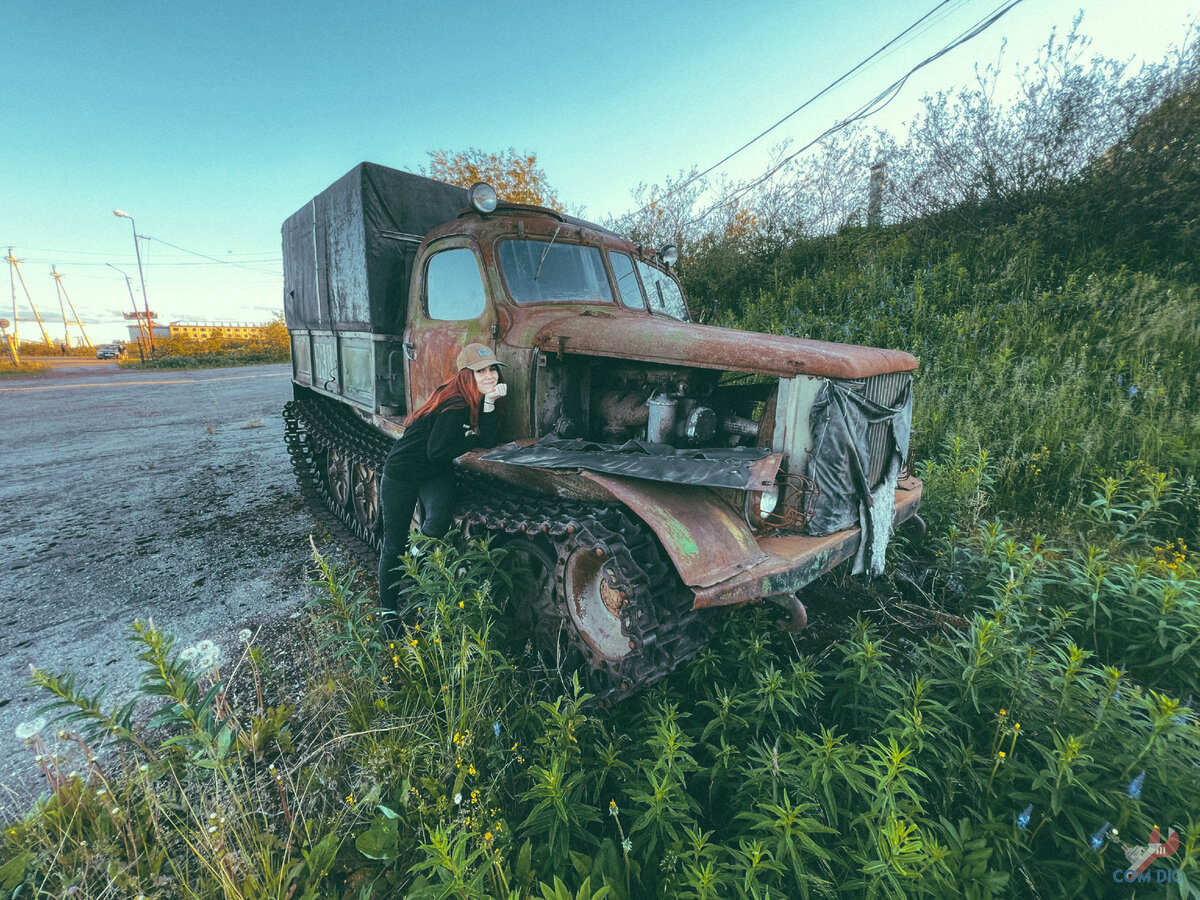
{"x":840,"y":461}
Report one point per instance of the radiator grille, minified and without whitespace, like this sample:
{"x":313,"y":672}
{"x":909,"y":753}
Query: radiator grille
{"x":885,"y":390}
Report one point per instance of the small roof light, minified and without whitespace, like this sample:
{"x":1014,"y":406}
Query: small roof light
{"x":669,"y":254}
{"x":482,"y":197}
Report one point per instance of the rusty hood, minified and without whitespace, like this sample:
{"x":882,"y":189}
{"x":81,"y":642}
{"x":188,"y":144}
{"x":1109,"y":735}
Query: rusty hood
{"x":668,"y":341}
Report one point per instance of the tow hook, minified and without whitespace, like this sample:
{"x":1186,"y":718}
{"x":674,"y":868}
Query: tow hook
{"x":797,"y":619}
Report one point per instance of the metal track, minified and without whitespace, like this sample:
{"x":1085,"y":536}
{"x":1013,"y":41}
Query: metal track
{"x":656,"y":615}
{"x":312,"y":429}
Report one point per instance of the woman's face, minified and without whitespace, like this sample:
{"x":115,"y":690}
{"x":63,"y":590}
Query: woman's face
{"x":487,"y":379}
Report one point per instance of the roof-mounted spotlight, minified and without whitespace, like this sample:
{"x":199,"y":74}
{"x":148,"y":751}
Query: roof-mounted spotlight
{"x":669,"y":254}
{"x":482,"y":197}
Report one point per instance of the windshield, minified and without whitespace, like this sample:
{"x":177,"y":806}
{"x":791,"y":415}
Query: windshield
{"x":544,"y":271}
{"x":663,"y":293}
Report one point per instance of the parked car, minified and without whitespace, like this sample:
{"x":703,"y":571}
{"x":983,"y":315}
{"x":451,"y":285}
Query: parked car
{"x":108,"y":351}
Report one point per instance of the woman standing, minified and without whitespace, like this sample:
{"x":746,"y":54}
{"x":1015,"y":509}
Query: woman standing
{"x":459,"y":416}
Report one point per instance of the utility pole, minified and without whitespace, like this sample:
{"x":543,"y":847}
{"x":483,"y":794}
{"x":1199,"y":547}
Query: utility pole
{"x":62,"y":293}
{"x":875,"y":194}
{"x":15,"y":270}
{"x":10,"y":343}
{"x":142,"y":275}
{"x":143,"y":329}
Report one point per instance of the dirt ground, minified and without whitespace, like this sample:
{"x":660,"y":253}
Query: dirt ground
{"x":127,"y":495}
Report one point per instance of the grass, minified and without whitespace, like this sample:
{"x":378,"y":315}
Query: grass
{"x":1088,"y":377}
{"x":7,"y":368}
{"x":1004,"y":720}
{"x":216,"y":359}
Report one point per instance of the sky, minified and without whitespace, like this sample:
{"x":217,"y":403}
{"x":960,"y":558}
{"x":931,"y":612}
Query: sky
{"x":211,"y":122}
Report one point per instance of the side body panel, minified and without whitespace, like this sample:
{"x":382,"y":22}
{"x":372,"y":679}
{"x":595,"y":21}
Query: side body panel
{"x":349,"y":255}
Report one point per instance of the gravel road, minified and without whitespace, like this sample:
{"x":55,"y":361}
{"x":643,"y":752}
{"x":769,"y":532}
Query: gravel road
{"x":133,"y":494}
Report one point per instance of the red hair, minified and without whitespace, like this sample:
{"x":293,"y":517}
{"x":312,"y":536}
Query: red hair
{"x":461,"y":387}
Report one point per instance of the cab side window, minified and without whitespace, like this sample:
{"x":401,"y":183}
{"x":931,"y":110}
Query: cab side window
{"x":454,"y":286}
{"x":627,"y":283}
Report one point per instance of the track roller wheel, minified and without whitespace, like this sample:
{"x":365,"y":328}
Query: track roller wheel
{"x":336,"y":470}
{"x":365,"y":493}
{"x":596,"y":603}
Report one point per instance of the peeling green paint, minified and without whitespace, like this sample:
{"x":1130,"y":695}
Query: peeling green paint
{"x":681,"y":537}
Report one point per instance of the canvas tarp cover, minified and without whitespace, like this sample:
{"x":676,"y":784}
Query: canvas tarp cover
{"x":348,"y":253}
{"x":839,"y":463}
{"x":729,"y":467}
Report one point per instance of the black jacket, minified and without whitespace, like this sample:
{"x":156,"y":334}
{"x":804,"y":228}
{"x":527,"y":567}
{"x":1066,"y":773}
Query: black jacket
{"x":430,"y":445}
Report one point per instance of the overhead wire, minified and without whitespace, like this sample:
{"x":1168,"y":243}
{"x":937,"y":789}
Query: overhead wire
{"x":883,"y":51}
{"x":201,"y":255}
{"x":870,"y":108}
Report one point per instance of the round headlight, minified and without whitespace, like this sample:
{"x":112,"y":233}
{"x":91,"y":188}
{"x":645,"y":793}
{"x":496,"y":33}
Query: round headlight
{"x":760,"y":505}
{"x":669,"y":254}
{"x":482,"y":197}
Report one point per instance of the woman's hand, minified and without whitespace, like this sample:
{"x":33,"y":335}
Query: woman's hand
{"x":490,"y":398}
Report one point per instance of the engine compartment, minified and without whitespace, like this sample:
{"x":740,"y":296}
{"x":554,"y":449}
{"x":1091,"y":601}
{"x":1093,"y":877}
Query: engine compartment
{"x":612,"y":401}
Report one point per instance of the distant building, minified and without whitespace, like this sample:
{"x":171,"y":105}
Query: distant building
{"x":160,"y":331}
{"x":201,"y":331}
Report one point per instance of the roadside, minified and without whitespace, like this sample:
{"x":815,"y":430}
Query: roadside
{"x":134,"y":495}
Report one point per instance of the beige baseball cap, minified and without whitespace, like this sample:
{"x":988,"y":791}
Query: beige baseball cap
{"x":477,"y":356}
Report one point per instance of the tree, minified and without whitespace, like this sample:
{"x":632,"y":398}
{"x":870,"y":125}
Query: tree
{"x":972,"y":148}
{"x":515,"y":176}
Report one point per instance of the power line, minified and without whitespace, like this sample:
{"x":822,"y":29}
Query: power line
{"x":225,"y":262}
{"x":61,"y":252}
{"x":870,"y":108}
{"x":92,"y":263}
{"x":825,"y":90}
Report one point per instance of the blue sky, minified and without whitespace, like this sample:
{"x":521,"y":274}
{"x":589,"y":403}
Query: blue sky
{"x":212,"y":122}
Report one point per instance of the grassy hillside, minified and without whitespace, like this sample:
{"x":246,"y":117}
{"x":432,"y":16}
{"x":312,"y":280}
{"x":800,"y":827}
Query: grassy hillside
{"x":1060,"y":330}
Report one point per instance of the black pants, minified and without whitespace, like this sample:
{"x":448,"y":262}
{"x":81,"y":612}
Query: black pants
{"x":399,"y":497}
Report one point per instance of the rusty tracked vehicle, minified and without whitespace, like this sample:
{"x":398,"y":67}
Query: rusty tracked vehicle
{"x":657,"y":468}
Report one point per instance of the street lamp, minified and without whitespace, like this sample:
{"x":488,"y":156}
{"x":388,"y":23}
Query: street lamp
{"x":138,"y":250}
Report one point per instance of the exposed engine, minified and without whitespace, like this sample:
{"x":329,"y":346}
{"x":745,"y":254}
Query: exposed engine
{"x":579,"y":397}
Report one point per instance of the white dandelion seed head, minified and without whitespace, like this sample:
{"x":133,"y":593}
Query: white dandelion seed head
{"x":187,"y":654}
{"x":212,"y":829}
{"x":457,"y":799}
{"x":205,"y":646}
{"x":244,"y":635}
{"x":206,"y":661}
{"x":27,"y":731}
